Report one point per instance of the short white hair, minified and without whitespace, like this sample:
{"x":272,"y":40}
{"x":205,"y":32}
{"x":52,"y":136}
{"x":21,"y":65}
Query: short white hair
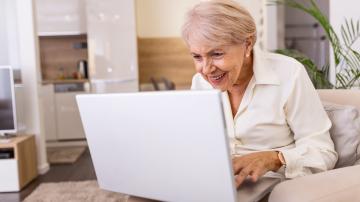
{"x":218,"y":22}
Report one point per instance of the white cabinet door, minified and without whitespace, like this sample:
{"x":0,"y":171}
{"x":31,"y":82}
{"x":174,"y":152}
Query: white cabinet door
{"x":112,"y":45}
{"x":61,"y":17}
{"x":9,"y":175}
{"x":48,"y":112}
{"x":69,"y":125}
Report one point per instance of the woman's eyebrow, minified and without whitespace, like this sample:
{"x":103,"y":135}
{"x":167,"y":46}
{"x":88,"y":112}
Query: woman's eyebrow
{"x":195,"y":54}
{"x":217,"y":50}
{"x":210,"y":51}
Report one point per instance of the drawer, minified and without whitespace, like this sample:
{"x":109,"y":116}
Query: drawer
{"x":9,"y":175}
{"x":69,"y":125}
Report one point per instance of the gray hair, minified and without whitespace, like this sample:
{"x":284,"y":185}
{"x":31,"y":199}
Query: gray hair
{"x":218,"y":22}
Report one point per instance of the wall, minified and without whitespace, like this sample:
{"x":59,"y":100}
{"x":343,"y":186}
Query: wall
{"x":4,"y":58}
{"x":8,"y":34}
{"x":161,"y":18}
{"x":30,"y":72}
{"x":339,"y":11}
{"x":167,"y":58}
{"x":274,"y":27}
{"x":161,"y":51}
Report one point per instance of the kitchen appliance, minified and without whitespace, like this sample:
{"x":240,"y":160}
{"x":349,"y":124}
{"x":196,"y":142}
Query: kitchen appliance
{"x":112,"y":46}
{"x":82,"y":69}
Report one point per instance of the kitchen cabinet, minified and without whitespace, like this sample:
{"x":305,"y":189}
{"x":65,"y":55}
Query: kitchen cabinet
{"x":69,"y":125}
{"x":48,"y":111}
{"x":61,"y":17}
{"x":60,"y":114}
{"x":112,"y":56}
{"x":110,"y":27}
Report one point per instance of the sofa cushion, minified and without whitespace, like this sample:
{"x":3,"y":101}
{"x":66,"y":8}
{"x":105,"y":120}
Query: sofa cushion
{"x":345,"y":132}
{"x":341,"y":184}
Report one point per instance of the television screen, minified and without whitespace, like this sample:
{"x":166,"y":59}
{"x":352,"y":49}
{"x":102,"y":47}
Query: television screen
{"x":7,"y":119}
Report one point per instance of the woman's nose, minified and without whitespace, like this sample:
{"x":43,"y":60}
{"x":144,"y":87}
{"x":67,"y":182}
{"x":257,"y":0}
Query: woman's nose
{"x":207,"y":66}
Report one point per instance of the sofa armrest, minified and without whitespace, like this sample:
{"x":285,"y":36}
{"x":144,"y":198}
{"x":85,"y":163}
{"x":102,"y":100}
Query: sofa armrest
{"x":341,"y":184}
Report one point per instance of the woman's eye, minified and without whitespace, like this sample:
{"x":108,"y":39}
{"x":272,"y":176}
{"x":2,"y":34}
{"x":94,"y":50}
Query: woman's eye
{"x":217,"y":55}
{"x":197,"y":57}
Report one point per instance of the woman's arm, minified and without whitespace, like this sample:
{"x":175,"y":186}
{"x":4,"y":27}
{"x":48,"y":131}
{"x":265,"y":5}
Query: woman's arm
{"x":314,"y":151}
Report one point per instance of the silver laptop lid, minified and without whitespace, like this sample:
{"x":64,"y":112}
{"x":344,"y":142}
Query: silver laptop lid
{"x":169,"y":146}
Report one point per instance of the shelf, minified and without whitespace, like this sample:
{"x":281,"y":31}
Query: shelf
{"x":60,"y":34}
{"x":14,"y":141}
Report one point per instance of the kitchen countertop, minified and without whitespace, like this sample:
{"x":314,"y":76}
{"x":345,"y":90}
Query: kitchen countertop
{"x":64,"y":81}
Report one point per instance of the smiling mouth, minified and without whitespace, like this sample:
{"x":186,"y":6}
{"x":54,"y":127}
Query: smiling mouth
{"x":217,"y":78}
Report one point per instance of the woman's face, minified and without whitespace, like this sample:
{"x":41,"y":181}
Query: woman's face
{"x":220,"y":66}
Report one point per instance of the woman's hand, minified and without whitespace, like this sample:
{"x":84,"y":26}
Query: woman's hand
{"x":255,"y":165}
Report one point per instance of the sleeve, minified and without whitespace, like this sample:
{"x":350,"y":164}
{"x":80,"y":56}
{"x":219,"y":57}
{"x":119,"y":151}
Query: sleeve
{"x":194,"y":83}
{"x":199,"y":83}
{"x":314,"y":151}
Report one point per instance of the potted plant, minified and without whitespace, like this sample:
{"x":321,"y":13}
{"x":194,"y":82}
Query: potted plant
{"x":347,"y":60}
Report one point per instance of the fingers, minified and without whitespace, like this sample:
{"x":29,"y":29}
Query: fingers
{"x":253,"y":165}
{"x":256,"y":174}
{"x":238,"y":164}
{"x":242,"y":175}
{"x":254,"y":171}
{"x":239,"y":167}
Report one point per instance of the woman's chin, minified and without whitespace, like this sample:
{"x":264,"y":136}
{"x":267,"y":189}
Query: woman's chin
{"x":222,"y":88}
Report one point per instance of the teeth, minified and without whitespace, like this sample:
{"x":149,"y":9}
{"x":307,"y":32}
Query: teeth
{"x":219,"y":77}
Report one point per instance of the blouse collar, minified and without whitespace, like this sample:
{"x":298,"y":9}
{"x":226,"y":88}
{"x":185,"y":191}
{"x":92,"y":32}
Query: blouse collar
{"x":263,"y":73}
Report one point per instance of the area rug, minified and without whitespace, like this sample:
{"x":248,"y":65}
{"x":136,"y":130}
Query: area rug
{"x":83,"y":191}
{"x":64,"y":155}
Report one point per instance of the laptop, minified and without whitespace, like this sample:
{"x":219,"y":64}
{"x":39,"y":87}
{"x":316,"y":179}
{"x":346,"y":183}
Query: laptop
{"x":168,"y":146}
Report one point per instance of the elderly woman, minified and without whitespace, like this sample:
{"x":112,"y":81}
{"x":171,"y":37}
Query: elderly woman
{"x":275,"y":119}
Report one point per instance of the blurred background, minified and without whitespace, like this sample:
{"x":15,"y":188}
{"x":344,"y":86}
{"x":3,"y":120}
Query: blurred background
{"x":61,"y":48}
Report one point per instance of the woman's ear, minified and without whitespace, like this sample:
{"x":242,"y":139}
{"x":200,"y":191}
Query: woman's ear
{"x":249,"y":45}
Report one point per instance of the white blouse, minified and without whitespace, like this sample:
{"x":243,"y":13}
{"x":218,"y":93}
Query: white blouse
{"x":280,"y":110}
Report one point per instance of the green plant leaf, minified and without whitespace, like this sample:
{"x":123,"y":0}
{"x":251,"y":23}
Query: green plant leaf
{"x":318,"y":78}
{"x":315,"y":12}
{"x":350,"y":32}
{"x":347,"y":60}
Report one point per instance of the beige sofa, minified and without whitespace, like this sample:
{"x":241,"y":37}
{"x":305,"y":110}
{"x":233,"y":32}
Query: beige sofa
{"x":342,"y":183}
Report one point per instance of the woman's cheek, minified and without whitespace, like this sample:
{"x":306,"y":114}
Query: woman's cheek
{"x":198,"y":68}
{"x":221,"y":64}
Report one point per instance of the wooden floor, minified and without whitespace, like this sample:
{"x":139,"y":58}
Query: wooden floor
{"x":79,"y":171}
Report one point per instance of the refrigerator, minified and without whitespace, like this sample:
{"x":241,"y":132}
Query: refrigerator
{"x":112,"y":46}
